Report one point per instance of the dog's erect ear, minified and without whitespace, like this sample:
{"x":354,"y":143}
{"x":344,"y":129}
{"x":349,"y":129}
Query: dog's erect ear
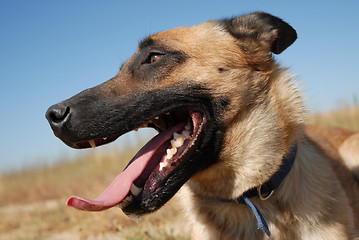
{"x":268,"y":30}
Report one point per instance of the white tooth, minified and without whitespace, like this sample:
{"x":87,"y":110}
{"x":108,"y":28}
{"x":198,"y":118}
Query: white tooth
{"x":171,"y":152}
{"x":175,"y":135}
{"x":135,"y":190}
{"x":92,"y":143}
{"x":175,"y":143}
{"x":185,"y":133}
{"x":163,"y":164}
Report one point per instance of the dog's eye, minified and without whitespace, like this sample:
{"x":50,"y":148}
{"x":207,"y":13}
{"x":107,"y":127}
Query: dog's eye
{"x":153,"y":57}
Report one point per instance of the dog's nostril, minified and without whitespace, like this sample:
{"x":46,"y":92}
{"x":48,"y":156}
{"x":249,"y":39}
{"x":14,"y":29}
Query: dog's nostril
{"x":57,"y":113}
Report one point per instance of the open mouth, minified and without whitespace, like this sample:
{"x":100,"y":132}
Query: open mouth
{"x":146,"y":174}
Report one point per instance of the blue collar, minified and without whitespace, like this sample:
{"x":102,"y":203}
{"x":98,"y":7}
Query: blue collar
{"x":266,"y":190}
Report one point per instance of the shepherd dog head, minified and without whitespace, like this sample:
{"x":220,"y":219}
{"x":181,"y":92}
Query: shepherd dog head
{"x":200,"y":87}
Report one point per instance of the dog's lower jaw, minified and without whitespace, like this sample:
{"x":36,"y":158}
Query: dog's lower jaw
{"x":297,"y":204}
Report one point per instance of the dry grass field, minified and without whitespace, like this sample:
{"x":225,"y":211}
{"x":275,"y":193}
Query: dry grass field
{"x":32,"y":202}
{"x":347,"y":118}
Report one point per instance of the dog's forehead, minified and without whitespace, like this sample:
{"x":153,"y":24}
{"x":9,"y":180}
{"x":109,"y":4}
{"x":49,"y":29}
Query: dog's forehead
{"x":203,"y":35}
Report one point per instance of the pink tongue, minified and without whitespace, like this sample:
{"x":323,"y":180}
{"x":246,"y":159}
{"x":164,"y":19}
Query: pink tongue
{"x":120,"y":186}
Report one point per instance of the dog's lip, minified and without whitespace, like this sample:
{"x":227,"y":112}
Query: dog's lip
{"x":118,"y":192}
{"x":95,"y":142}
{"x":157,"y":123}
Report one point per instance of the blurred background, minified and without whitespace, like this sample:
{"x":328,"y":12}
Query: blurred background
{"x":51,"y":50}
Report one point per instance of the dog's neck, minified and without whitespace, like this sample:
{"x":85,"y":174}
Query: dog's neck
{"x":297,"y":193}
{"x":265,"y":191}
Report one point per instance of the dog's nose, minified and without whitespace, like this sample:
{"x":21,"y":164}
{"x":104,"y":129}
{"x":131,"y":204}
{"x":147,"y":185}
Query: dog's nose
{"x":57,"y":115}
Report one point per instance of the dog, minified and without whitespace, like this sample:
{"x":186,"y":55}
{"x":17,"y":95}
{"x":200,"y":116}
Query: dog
{"x":231,"y":136}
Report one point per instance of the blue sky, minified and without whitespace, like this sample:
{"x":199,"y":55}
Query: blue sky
{"x":51,"y":50}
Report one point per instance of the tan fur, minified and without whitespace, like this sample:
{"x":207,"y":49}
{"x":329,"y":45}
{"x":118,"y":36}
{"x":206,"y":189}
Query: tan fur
{"x":310,"y":204}
{"x":259,"y":112}
{"x":317,"y":200}
{"x":338,"y":141}
{"x":349,"y":151}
